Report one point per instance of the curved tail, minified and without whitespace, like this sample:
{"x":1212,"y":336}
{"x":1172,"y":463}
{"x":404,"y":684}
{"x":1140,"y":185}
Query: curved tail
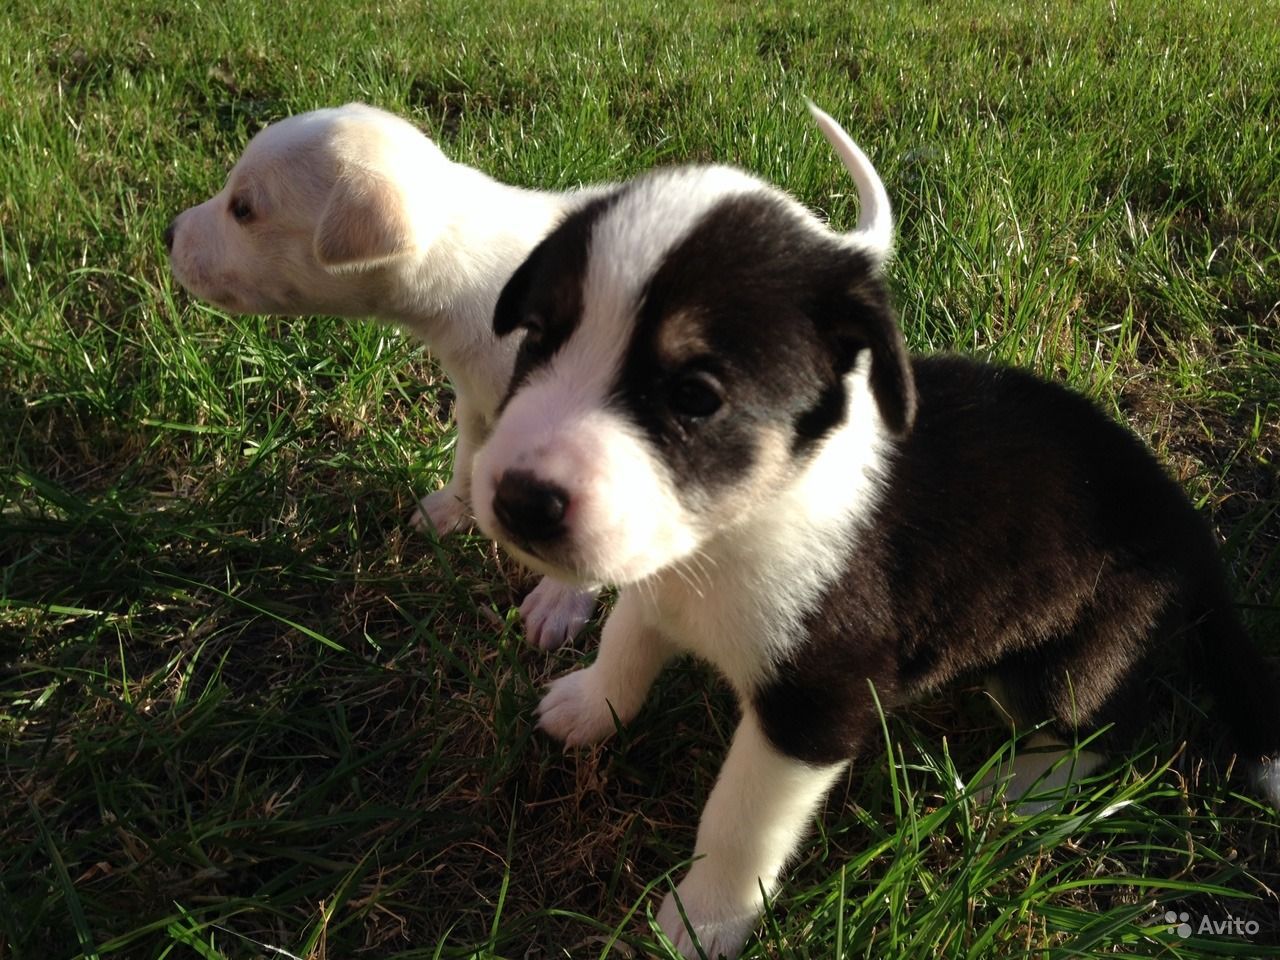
{"x":874,"y":231}
{"x":1245,"y":689}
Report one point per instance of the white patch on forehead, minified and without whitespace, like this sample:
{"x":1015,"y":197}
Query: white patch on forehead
{"x":628,"y":244}
{"x":632,"y":238}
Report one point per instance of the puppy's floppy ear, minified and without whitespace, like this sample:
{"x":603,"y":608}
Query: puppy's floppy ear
{"x":363,"y":224}
{"x":865,"y":319}
{"x":509,"y":313}
{"x":552,"y":273}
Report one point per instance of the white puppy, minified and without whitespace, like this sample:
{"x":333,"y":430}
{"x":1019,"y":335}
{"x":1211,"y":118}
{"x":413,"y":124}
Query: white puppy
{"x":352,"y":212}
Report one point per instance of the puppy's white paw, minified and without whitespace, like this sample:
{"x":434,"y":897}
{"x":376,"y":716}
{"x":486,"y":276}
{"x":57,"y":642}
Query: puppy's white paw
{"x":443,"y":512}
{"x":554,"y":612}
{"x":576,"y":710}
{"x":721,"y":927}
{"x":1267,"y":776}
{"x":1040,"y":778}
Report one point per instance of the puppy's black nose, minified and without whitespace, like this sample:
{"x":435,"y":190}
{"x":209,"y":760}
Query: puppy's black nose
{"x":168,"y":235}
{"x":531,"y":509}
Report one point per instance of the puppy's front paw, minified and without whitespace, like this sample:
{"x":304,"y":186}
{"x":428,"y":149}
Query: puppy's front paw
{"x":554,"y":612}
{"x":443,"y":512}
{"x":721,"y":927}
{"x":576,"y":710}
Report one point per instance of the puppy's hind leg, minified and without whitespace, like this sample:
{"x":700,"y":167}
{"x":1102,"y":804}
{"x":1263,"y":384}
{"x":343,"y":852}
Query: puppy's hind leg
{"x":1245,"y":688}
{"x":1043,"y":768}
{"x":449,"y":508}
{"x":1041,"y":774}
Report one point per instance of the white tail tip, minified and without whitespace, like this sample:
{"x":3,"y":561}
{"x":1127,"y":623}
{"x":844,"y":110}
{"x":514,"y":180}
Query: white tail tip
{"x":874,"y":231}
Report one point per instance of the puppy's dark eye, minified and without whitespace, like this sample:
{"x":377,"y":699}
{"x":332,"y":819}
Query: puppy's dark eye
{"x":240,"y":209}
{"x":696,"y":396}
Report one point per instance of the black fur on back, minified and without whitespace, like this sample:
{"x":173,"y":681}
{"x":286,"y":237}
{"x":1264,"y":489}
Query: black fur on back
{"x":1025,"y":537}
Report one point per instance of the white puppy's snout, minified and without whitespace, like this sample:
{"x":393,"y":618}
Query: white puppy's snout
{"x":531,"y":508}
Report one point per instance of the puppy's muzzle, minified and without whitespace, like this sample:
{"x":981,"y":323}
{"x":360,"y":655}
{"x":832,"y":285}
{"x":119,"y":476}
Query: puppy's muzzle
{"x":532,"y":510}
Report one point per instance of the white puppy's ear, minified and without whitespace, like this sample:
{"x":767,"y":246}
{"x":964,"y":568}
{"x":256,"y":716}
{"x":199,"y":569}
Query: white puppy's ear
{"x":364,"y":223}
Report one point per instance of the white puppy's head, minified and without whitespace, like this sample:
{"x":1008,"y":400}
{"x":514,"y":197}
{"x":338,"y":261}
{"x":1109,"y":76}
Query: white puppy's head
{"x":314,"y":216}
{"x":692,"y":341}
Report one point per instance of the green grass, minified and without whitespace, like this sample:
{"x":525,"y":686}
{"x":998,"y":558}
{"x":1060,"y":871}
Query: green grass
{"x":245,"y":713}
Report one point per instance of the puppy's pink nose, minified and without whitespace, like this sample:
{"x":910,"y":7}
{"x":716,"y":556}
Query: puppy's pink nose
{"x":531,"y":509}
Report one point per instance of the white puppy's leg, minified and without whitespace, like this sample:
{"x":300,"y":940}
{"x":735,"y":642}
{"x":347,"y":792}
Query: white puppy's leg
{"x":554,"y":612}
{"x":447,"y":509}
{"x":579,"y":707}
{"x":760,"y":807}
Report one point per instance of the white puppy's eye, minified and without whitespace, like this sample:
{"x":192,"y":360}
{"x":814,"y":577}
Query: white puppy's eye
{"x":240,"y":209}
{"x":695,"y":395}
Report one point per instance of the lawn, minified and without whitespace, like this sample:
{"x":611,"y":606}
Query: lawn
{"x":246,"y":712}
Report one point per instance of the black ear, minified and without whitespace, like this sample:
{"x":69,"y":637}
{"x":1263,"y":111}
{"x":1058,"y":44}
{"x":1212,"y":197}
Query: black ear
{"x":509,"y":312}
{"x":552,"y":272}
{"x":868,"y":321}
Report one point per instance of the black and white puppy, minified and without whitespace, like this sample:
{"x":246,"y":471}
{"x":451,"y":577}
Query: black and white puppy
{"x":713,"y":408}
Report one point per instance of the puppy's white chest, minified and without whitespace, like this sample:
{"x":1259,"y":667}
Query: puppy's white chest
{"x":734,"y":630}
{"x":744,"y":608}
